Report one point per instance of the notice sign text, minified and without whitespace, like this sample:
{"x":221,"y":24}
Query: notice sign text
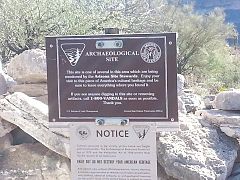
{"x":113,"y":152}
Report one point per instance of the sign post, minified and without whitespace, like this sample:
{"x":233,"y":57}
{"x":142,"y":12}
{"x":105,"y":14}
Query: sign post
{"x":113,"y":81}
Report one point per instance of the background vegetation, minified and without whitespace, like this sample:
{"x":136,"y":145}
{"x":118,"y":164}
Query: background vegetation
{"x":203,"y":55}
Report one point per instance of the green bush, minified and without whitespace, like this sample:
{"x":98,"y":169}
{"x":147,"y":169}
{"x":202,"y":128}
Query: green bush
{"x":24,"y":24}
{"x":202,"y":50}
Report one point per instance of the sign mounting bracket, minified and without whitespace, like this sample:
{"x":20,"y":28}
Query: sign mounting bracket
{"x":112,"y":121}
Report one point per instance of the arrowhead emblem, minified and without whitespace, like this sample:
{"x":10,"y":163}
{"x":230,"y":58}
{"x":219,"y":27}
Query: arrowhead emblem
{"x":141,"y":131}
{"x":73,"y":51}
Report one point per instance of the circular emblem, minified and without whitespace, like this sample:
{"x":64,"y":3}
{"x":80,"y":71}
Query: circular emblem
{"x":150,"y":52}
{"x":83,"y":132}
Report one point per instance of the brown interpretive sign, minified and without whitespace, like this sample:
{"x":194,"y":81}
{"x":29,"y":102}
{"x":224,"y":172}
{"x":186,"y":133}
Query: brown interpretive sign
{"x":112,"y":76}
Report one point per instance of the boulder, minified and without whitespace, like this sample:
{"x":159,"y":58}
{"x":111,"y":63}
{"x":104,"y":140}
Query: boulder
{"x":29,"y":67}
{"x":33,"y":162}
{"x":228,"y":100}
{"x":218,"y":117}
{"x":3,"y":85}
{"x":32,"y":117}
{"x":197,"y":154}
{"x":5,"y":127}
{"x":227,"y":121}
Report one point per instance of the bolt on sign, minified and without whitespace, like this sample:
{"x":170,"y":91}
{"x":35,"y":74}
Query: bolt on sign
{"x":113,"y":76}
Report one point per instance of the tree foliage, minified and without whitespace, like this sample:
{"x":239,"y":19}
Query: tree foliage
{"x":202,"y":50}
{"x":24,"y":24}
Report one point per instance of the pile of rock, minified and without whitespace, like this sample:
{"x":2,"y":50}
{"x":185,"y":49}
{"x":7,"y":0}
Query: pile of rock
{"x":226,"y":117}
{"x":187,"y":100}
{"x":29,"y":70}
{"x":46,"y":158}
{"x":205,"y":147}
{"x":28,"y":148}
{"x":196,"y":152}
{"x":226,"y":114}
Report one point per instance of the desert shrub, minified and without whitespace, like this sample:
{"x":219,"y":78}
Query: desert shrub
{"x":202,"y":50}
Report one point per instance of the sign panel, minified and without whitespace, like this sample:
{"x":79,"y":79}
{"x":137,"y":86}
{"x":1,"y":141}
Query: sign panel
{"x":113,"y":152}
{"x":112,"y":76}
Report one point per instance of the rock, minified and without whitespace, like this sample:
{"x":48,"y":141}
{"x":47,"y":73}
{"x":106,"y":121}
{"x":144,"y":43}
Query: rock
{"x":9,"y":80}
{"x":230,"y":130}
{"x":197,"y":154}
{"x":180,"y":84}
{"x":209,"y":101}
{"x":162,"y":174}
{"x":5,"y":127}
{"x":33,"y":90}
{"x":3,"y":85}
{"x":32,"y":117}
{"x":33,"y":162}
{"x":5,"y":142}
{"x":218,"y":117}
{"x":192,"y":101}
{"x":29,"y":67}
{"x":188,"y":122}
{"x":37,"y":91}
{"x":235,"y":172}
{"x":227,"y":121}
{"x":181,"y":106}
{"x":228,"y":100}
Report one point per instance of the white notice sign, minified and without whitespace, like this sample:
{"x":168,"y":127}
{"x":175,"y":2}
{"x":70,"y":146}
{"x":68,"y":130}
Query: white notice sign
{"x":113,"y":152}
